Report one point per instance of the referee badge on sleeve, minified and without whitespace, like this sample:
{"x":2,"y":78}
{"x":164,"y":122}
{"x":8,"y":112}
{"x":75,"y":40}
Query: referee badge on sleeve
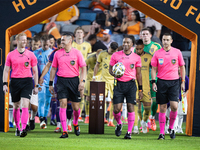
{"x":72,"y":62}
{"x":173,"y":61}
{"x":26,"y":64}
{"x":160,"y":61}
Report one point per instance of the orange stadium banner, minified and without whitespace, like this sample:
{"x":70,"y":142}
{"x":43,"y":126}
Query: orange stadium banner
{"x":182,"y":16}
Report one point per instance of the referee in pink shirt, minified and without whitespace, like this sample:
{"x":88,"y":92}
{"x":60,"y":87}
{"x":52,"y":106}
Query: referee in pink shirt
{"x":166,"y":62}
{"x":125,"y":86}
{"x":67,"y":61}
{"x":21,"y":61}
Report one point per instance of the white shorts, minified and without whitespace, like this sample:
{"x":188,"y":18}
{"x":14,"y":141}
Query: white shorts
{"x":34,"y":99}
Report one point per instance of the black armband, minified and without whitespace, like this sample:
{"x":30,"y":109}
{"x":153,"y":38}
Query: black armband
{"x":153,"y":81}
{"x":5,"y":83}
{"x":140,"y":87}
{"x":50,"y":83}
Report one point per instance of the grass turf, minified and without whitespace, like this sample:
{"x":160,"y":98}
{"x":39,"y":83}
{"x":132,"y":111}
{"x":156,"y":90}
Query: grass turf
{"x":47,"y":139}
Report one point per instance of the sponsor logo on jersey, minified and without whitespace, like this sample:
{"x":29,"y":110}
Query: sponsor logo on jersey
{"x":72,"y":62}
{"x":160,"y":61}
{"x":173,"y":61}
{"x":131,"y":66}
{"x":26,"y":64}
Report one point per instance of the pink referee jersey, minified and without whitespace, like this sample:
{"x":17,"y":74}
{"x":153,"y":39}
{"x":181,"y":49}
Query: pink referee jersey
{"x":21,"y":63}
{"x":167,"y":63}
{"x":129,"y":61}
{"x":68,"y":63}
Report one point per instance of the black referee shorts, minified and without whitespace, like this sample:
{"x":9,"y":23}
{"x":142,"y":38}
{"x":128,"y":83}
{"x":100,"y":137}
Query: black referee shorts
{"x":125,"y":89}
{"x":68,"y":88}
{"x":21,"y":87}
{"x":167,"y":90}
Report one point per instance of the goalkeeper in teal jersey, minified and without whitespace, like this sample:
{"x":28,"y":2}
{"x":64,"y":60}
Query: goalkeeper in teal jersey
{"x":151,"y":47}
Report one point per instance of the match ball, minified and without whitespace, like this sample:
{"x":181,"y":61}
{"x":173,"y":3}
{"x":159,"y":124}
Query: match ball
{"x":118,"y":69}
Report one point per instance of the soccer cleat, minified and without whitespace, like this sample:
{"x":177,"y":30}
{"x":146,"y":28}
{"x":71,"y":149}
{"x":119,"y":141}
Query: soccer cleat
{"x":23,"y":133}
{"x":128,"y":135}
{"x":27,"y":128}
{"x":77,"y":130}
{"x":80,"y":119}
{"x":110,"y":124}
{"x":32,"y":124}
{"x":42,"y":124}
{"x":87,"y":120}
{"x":179,"y":130}
{"x":135,"y":131}
{"x":69,"y":128}
{"x":153,"y":125}
{"x":57,"y":130}
{"x":141,"y":128}
{"x":17,"y":132}
{"x":105,"y":121}
{"x":147,"y":130}
{"x":64,"y":135}
{"x":11,"y":125}
{"x":144,"y":126}
{"x":53,"y":123}
{"x":161,"y":137}
{"x":118,"y":130}
{"x":172,"y":133}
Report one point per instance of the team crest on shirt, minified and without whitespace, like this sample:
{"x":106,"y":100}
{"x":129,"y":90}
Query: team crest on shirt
{"x":131,"y":66}
{"x":26,"y":64}
{"x":72,"y":62}
{"x":39,"y":89}
{"x":173,"y":61}
{"x":152,"y":50}
{"x":145,"y":59}
{"x":160,"y":61}
{"x":84,"y":48}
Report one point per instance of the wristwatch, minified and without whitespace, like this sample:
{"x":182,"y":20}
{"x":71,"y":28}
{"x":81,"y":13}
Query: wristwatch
{"x":83,"y":80}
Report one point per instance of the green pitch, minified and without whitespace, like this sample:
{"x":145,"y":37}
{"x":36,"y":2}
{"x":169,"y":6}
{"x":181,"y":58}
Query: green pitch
{"x":47,"y":139}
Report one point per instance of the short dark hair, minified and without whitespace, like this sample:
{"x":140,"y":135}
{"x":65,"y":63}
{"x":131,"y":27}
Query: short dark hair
{"x":130,"y":37}
{"x":58,"y":41}
{"x":92,"y":37}
{"x":146,"y":29}
{"x":167,"y":34}
{"x":139,"y":42}
{"x":114,"y":45}
{"x":36,"y":38}
{"x":51,"y":36}
{"x":152,"y":29}
{"x":45,"y":38}
{"x":68,"y":34}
